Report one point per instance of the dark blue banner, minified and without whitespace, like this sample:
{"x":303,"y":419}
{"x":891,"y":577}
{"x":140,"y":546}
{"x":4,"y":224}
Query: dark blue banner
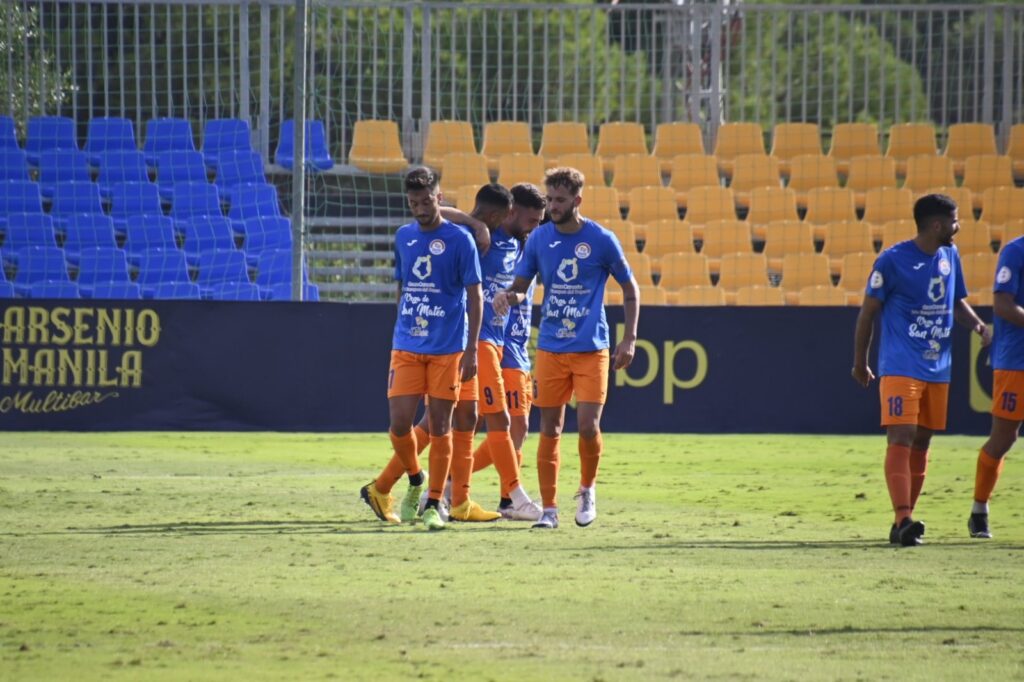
{"x":121,"y":365}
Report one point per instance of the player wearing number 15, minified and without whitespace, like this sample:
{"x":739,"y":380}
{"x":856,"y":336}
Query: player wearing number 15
{"x":918,"y":286}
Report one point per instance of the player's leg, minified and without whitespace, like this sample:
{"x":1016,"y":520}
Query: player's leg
{"x":1007,"y":415}
{"x":552,"y":391}
{"x":396,"y":466}
{"x":443,"y":388}
{"x":919,"y":463}
{"x":590,"y":383}
{"x":900,"y":398}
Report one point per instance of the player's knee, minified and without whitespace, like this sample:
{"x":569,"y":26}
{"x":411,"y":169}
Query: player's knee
{"x":498,"y":421}
{"x":589,"y":430}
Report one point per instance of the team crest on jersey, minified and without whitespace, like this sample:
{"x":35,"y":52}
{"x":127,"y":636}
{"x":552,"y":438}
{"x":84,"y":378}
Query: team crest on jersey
{"x":877,"y":280}
{"x":422,"y":267}
{"x":936,"y":289}
{"x":1003,"y":276}
{"x":583,"y":250}
{"x":568,"y":269}
{"x":437,"y":247}
{"x":944,"y":268}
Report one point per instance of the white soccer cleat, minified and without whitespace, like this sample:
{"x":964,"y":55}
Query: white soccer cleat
{"x":525,"y":511}
{"x":548,"y":520}
{"x":586,"y":506}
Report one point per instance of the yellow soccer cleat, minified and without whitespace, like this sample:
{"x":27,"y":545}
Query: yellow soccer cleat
{"x":381,"y":504}
{"x":471,"y":511}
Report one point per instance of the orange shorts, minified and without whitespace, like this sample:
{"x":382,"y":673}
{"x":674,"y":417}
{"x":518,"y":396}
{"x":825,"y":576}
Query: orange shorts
{"x":557,"y":375}
{"x":420,"y":374}
{"x":1008,"y":394}
{"x":490,"y":380}
{"x":518,"y":391}
{"x":912,"y":401}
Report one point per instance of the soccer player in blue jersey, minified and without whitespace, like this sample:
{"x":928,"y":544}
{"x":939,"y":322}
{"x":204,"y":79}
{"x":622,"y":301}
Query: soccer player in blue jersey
{"x":918,"y":287}
{"x":440,"y":306}
{"x":1007,"y":382}
{"x":573,"y":256}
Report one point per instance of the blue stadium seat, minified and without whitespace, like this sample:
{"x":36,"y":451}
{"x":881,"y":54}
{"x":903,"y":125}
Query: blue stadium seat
{"x":107,"y":134}
{"x":13,"y":165}
{"x":178,"y":167}
{"x":161,"y":266}
{"x":220,"y":267}
{"x":6,"y":290}
{"x":192,"y":200}
{"x":185,"y":291}
{"x":145,"y":233}
{"x":19,"y":196}
{"x":275,"y":268}
{"x":54,"y":289}
{"x":233,"y":291}
{"x":264,"y":233}
{"x":238,"y":167}
{"x":61,"y":166}
{"x":27,"y":229}
{"x":119,"y":290}
{"x":101,"y":265}
{"x":283,"y":292}
{"x":39,"y":264}
{"x":206,"y":233}
{"x":253,"y":201}
{"x":87,"y":231}
{"x":222,"y":135}
{"x":116,"y":167}
{"x":48,"y":132}
{"x":166,"y":135}
{"x":74,"y":197}
{"x":133,"y":198}
{"x":8,"y":136}
{"x":318,"y":156}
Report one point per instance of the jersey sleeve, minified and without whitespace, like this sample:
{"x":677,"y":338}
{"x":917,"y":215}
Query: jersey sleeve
{"x":880,"y":282}
{"x":1008,"y":271}
{"x":469,"y":262}
{"x":527,"y":265}
{"x":616,"y":261}
{"x":960,"y":288}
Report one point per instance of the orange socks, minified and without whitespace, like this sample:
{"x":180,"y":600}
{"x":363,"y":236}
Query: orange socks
{"x":440,"y":461}
{"x":547,"y":469}
{"x":422,"y":438}
{"x":405,"y":460}
{"x":590,"y":457}
{"x":918,"y":469}
{"x":482,"y":457}
{"x":986,"y":475}
{"x":462,"y":465}
{"x":503,"y":452}
{"x":897,"y":477}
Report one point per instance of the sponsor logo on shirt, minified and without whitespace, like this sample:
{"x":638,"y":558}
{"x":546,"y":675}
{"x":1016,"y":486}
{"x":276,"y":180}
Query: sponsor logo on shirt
{"x":877,"y":280}
{"x":554,"y":244}
{"x":944,"y":268}
{"x":568,"y":270}
{"x":1003,"y":276}
{"x":583,"y":250}
{"x":937,"y":288}
{"x":437,"y":247}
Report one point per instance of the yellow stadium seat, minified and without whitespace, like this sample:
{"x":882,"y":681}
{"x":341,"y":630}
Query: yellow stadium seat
{"x":705,"y":204}
{"x":750,"y":172}
{"x":612,"y":295}
{"x":647,"y":204}
{"x":974,"y":238}
{"x":759,"y":295}
{"x":600,"y":203}
{"x":786,"y":236}
{"x":790,"y":140}
{"x":910,"y":139}
{"x":1015,"y":150}
{"x":699,"y":295}
{"x":981,"y":297}
{"x":462,"y":198}
{"x":962,"y":196}
{"x":505,"y":137}
{"x":690,"y":171}
{"x":768,"y":205}
{"x":979,"y":270}
{"x":743,"y":270}
{"x":563,"y":137}
{"x":850,"y":140}
{"x":829,"y":205}
{"x":722,"y":237}
{"x":847,"y":236}
{"x":1002,"y":204}
{"x":856,"y":268}
{"x":376,"y":147}
{"x":896,"y":231}
{"x":538,"y":294}
{"x":641,"y":266}
{"x":618,"y":138}
{"x":652,"y":295}
{"x":673,"y":139}
{"x":625,"y":231}
{"x":883,"y":204}
{"x":924,"y":171}
{"x":516,"y":168}
{"x":684,"y":270}
{"x":1009,"y":231}
{"x":983,"y":172}
{"x":822,"y":295}
{"x":969,"y":139}
{"x":869,"y":172}
{"x":736,"y":139}
{"x":809,"y":171}
{"x":448,"y":137}
{"x":588,"y":164}
{"x":464,"y":169}
{"x":801,"y":270}
{"x":635,"y":170}
{"x":663,"y":237}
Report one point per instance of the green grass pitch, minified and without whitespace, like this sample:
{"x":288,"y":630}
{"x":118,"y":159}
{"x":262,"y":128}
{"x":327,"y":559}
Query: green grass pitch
{"x":181,"y":556}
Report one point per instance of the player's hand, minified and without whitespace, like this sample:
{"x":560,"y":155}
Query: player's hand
{"x":624,"y":352}
{"x":862,"y":375}
{"x":482,"y":236}
{"x":501,"y":303}
{"x":467,"y":365}
{"x":982,"y":330}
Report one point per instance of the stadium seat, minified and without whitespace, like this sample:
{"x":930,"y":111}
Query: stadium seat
{"x":87,"y":231}
{"x":924,"y":171}
{"x":642,"y":268}
{"x":809,"y":171}
{"x":178,"y":167}
{"x":600,"y":203}
{"x":145,"y":233}
{"x":220,"y":267}
{"x":652,"y":295}
{"x":969,"y":139}
{"x":318,"y":155}
{"x":159,"y":266}
{"x":13,"y":165}
{"x":129,"y":291}
{"x":101,"y":265}
{"x":506,"y":137}
{"x":233,"y":291}
{"x":27,"y":229}
{"x":54,"y":289}
{"x":8,"y":135}
{"x":790,"y":140}
{"x":206,"y":233}
{"x":846,"y":236}
{"x":1015,"y":150}
{"x":883,"y":204}
{"x":6,"y":290}
{"x":910,"y":139}
{"x":784,"y":237}
{"x":963,"y":197}
{"x":448,"y":137}
{"x":750,"y":172}
{"x":588,"y":164}
{"x":19,"y":196}
{"x":1001,"y":205}
{"x":736,"y":139}
{"x":828,"y":205}
{"x":516,"y":168}
{"x":868,"y":172}
{"x":222,"y":135}
{"x":625,"y":232}
{"x":690,"y":171}
{"x":182,"y":291}
{"x":376,"y":147}
{"x":48,"y":132}
{"x":675,"y":139}
{"x":699,"y":295}
{"x":705,"y":204}
{"x":663,"y":237}
{"x":61,"y":166}
{"x":822,"y":295}
{"x":850,"y":140}
{"x":648,"y":204}
{"x":275,"y":268}
{"x":253,"y":201}
{"x":108,"y":134}
{"x":759,"y":295}
{"x":979,"y":270}
{"x":635,"y":170}
{"x":120,"y":166}
{"x":462,"y":169}
{"x":1008,"y":231}
{"x":612,"y":296}
{"x":982,"y":297}
{"x":983,"y":172}
{"x":855,"y":268}
{"x":194,"y":199}
{"x":563,"y":137}
{"x":238,"y":167}
{"x":769,"y":204}
{"x":263,"y":234}
{"x":800,"y":270}
{"x":75,"y":197}
{"x":974,"y":238}
{"x":462,"y":198}
{"x":38,"y":264}
{"x":283,"y":292}
{"x":135,"y":198}
{"x":166,"y":135}
{"x":619,"y":138}
{"x":723,"y":237}
{"x":684,"y":270}
{"x":896,"y":231}
{"x":742,"y":270}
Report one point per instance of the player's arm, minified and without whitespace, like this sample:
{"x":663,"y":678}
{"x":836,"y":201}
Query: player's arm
{"x":509,"y":298}
{"x":631,"y":311}
{"x":398,"y":293}
{"x":965,"y":316}
{"x":481,"y":233}
{"x":862,"y":334}
{"x":475,"y":311}
{"x":1006,"y":307}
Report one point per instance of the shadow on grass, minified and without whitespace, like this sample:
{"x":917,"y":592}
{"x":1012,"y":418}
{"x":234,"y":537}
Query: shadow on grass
{"x":790,"y":545}
{"x":851,"y":630}
{"x":340,"y":527}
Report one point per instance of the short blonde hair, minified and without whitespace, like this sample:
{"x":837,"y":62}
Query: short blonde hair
{"x":569,"y":178}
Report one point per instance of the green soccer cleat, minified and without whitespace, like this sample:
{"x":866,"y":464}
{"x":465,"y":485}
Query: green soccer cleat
{"x":432,"y":520}
{"x":409,"y":510}
{"x":380,"y":503}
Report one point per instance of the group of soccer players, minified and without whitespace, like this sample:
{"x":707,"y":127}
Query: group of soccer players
{"x":465,"y":288}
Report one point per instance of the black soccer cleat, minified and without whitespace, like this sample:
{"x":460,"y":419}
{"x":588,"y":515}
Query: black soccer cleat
{"x":977,"y":525}
{"x":910,"y":532}
{"x":894,"y":535}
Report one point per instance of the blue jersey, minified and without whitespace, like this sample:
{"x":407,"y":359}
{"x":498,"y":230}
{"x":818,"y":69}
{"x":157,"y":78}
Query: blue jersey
{"x":1008,"y":340}
{"x":517,"y":334}
{"x":574,"y":269}
{"x":434,"y":268}
{"x":918,"y":293}
{"x":496,"y":267}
